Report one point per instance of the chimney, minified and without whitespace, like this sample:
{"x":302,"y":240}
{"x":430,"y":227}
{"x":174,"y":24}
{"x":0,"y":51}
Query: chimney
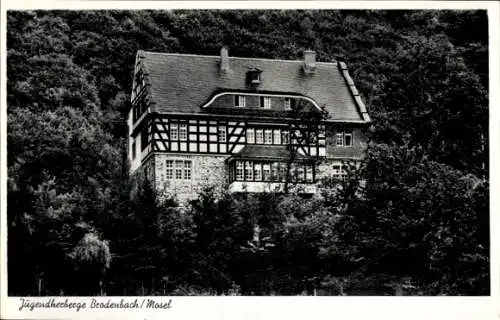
{"x":224,"y":60}
{"x":309,"y":61}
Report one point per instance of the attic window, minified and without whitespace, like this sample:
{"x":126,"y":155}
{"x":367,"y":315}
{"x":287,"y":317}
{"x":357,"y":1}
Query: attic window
{"x":266,"y":103}
{"x":253,"y":76}
{"x":288,"y":104}
{"x":239,"y":101}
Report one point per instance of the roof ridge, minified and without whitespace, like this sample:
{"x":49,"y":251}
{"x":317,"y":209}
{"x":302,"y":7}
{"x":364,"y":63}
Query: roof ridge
{"x":231,"y":57}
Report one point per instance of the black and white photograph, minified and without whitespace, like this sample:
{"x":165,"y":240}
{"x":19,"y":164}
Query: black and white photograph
{"x":247,"y":152}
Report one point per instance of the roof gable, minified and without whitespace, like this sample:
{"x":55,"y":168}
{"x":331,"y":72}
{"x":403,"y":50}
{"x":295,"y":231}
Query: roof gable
{"x":183,"y":83}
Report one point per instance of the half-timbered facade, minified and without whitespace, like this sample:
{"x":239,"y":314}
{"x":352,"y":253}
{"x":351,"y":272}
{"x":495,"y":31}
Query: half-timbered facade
{"x":245,"y":124}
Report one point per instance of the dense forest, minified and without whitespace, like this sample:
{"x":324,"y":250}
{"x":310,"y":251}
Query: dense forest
{"x":419,"y":226}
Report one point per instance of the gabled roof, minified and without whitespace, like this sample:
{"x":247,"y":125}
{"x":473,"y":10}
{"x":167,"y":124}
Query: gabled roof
{"x":182,"y":83}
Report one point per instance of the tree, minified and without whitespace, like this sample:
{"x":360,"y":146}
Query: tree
{"x":411,"y":223}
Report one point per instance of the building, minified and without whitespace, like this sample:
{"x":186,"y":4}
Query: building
{"x":245,"y":124}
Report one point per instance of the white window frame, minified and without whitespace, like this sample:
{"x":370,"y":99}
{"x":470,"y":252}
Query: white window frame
{"x":241,"y":103}
{"x":268,"y":136}
{"x":267,"y":103}
{"x":222,"y":134}
{"x":248,"y":171}
{"x":183,"y":132}
{"x":266,"y":172}
{"x":286,"y":135}
{"x":240,"y":168}
{"x":339,"y":173}
{"x":275,"y":171}
{"x":250,"y":135}
{"x":188,"y":169}
{"x":259,"y":136}
{"x":348,"y":134}
{"x":169,"y":169}
{"x":293,"y":172}
{"x":174,"y":131}
{"x":257,"y":171}
{"x":309,"y":173}
{"x":339,"y":139}
{"x":301,"y":171}
{"x":282,"y":171}
{"x":277,"y":136}
{"x":288,"y":104}
{"x":255,"y":77}
{"x":179,"y":168}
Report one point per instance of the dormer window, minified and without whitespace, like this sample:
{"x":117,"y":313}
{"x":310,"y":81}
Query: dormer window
{"x":266,"y":103}
{"x":239,"y":101}
{"x":253,"y":76}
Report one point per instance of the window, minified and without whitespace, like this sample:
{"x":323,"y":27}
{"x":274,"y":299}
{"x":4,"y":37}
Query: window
{"x":348,"y":139}
{"x":282,"y":173}
{"x":174,"y":131}
{"x":300,"y":173}
{"x":139,"y":79}
{"x":313,"y":137}
{"x":258,"y":171}
{"x":288,"y":104}
{"x":144,"y":138}
{"x":267,"y":103}
{"x":133,"y":150}
{"x":222,"y":134}
{"x":178,"y":169}
{"x":344,"y":139}
{"x":259,"y":137}
{"x":239,"y":101}
{"x":293,"y":172}
{"x":250,"y":136}
{"x":187,"y":170}
{"x":339,"y":173}
{"x":277,"y":136}
{"x":248,"y":170}
{"x":142,"y":106}
{"x":255,"y":76}
{"x":339,"y":139}
{"x":309,"y":173}
{"x":336,"y":171}
{"x":139,"y":108}
{"x":275,"y":171}
{"x":268,"y":136}
{"x":169,"y":169}
{"x":183,"y":132}
{"x":285,"y":137}
{"x":239,"y":170}
{"x":266,"y":170}
{"x":139,"y":84}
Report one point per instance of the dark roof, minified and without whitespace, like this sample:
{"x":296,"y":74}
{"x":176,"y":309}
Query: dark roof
{"x":266,"y":151}
{"x":333,"y":151}
{"x":182,"y":83}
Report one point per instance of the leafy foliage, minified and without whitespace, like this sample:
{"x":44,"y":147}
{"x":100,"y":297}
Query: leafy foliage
{"x":418,"y":225}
